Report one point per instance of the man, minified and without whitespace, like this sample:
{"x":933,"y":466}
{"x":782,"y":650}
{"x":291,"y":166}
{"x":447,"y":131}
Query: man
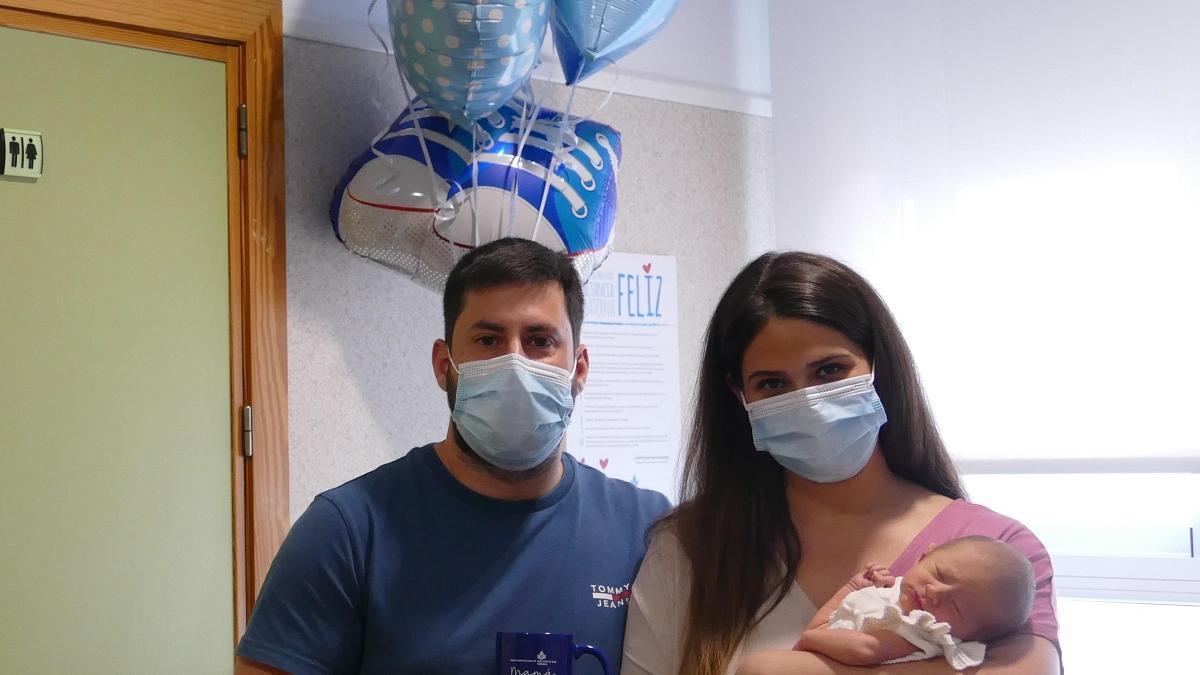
{"x":414,"y":567}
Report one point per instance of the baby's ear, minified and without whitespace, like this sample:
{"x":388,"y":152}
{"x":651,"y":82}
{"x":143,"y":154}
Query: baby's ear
{"x":932,"y":545}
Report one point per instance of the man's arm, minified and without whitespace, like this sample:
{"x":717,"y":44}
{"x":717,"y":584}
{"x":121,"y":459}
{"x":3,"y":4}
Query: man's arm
{"x":1023,"y":654}
{"x":248,"y":667}
{"x":855,"y":648}
{"x":306,"y":618}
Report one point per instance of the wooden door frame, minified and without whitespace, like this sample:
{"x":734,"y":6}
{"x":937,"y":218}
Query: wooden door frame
{"x":247,"y":36}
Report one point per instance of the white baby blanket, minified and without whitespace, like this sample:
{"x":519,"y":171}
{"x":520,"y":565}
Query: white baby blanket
{"x":873,"y":608}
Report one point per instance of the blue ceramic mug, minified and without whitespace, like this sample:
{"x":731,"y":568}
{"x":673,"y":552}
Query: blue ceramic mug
{"x":541,"y":654}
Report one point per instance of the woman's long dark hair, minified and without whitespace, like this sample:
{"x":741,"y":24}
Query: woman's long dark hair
{"x":734,"y":524}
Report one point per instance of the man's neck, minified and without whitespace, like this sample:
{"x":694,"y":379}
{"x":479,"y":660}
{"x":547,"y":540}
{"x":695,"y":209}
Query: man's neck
{"x":510,"y":487}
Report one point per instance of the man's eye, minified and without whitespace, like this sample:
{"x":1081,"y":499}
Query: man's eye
{"x":541,"y":342}
{"x":488,"y":340}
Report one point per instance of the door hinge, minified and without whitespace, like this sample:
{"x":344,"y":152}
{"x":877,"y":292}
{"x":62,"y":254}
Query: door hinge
{"x":247,"y":432}
{"x":243,"y":130}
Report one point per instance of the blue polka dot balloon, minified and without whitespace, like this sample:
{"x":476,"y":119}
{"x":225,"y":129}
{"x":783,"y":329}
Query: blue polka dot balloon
{"x":467,"y":58}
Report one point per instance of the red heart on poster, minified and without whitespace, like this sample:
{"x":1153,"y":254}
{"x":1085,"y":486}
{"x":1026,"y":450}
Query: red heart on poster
{"x":604,"y":464}
{"x":646,"y":267}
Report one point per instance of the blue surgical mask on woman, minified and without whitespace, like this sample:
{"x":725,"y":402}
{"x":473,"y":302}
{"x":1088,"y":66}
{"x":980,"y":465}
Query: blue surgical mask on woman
{"x":824,"y":433}
{"x":511,"y":410}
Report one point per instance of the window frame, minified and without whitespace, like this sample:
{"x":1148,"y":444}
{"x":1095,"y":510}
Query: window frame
{"x":1114,"y":578}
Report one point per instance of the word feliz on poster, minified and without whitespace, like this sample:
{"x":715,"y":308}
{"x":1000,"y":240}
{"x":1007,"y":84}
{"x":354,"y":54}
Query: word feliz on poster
{"x":627,"y":295}
{"x":626,"y":422}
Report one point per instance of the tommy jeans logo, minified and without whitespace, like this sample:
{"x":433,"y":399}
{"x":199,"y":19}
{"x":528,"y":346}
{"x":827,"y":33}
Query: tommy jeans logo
{"x":610,"y":596}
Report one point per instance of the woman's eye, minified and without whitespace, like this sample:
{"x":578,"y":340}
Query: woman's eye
{"x":831,"y":370}
{"x":770,"y":384}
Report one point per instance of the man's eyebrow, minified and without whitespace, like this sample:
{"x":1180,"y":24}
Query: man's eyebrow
{"x":542,"y":328}
{"x":484,"y":324}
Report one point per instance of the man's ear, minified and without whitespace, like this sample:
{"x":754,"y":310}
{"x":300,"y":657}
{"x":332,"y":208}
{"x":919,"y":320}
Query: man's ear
{"x":583,"y":364}
{"x":441,"y":363}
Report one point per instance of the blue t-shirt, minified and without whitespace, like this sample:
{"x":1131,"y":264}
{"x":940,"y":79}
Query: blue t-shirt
{"x":406,"y":570}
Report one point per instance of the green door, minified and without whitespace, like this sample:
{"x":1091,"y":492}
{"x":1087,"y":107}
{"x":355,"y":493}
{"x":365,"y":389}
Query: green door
{"x":115,"y":462}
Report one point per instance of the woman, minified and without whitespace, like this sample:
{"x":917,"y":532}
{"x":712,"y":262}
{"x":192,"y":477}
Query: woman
{"x":813,"y":453}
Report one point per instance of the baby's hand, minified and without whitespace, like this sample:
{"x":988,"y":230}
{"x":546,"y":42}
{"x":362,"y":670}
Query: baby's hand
{"x":866,"y":578}
{"x":875,"y":575}
{"x":880,"y":576}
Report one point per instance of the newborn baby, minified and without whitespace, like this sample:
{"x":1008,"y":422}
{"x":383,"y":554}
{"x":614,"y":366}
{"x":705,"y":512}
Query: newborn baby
{"x":958,"y":595}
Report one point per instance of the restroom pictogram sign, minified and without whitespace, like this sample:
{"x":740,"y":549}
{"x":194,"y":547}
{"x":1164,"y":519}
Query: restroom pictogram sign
{"x":22,"y":153}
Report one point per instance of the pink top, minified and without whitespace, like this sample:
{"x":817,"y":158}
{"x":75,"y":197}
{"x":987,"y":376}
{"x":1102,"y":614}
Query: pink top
{"x":961,"y":518}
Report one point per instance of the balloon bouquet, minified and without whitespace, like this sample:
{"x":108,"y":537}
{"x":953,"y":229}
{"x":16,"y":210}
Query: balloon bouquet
{"x":475,"y":156}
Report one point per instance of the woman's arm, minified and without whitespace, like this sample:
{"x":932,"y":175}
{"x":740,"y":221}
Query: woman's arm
{"x":821,"y":618}
{"x":855,"y":648}
{"x":874,"y":575}
{"x":1023,"y":654}
{"x":657,"y":610}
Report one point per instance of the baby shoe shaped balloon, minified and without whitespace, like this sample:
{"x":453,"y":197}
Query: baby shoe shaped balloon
{"x":382,"y":208}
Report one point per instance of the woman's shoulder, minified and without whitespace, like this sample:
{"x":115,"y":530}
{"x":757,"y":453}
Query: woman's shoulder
{"x":962,"y":518}
{"x":665,"y":548}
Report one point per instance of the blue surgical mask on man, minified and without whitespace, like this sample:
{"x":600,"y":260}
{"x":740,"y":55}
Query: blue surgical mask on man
{"x":511,"y":410}
{"x":824,"y":433}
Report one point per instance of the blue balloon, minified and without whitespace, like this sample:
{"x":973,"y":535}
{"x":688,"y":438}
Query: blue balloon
{"x":590,"y":34}
{"x":382,"y":207}
{"x":467,"y":58}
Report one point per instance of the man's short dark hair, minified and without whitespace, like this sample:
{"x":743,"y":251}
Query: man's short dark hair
{"x":512,"y":261}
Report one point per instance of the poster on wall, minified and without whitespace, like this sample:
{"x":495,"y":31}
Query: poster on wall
{"x":626,"y":422}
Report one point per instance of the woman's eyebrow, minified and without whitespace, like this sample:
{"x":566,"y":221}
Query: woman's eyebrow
{"x":766,"y":373}
{"x":822,"y":361}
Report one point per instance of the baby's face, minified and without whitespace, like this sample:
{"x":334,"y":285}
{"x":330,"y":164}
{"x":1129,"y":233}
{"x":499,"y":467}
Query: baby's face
{"x":950,"y":584}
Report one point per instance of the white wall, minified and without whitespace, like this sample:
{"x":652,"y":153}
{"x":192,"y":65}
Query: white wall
{"x":713,"y":53}
{"x":1021,"y":180}
{"x":695,"y":183}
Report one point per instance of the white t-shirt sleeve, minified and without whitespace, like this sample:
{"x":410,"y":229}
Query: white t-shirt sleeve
{"x":658,"y":610}
{"x":654,"y":629}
